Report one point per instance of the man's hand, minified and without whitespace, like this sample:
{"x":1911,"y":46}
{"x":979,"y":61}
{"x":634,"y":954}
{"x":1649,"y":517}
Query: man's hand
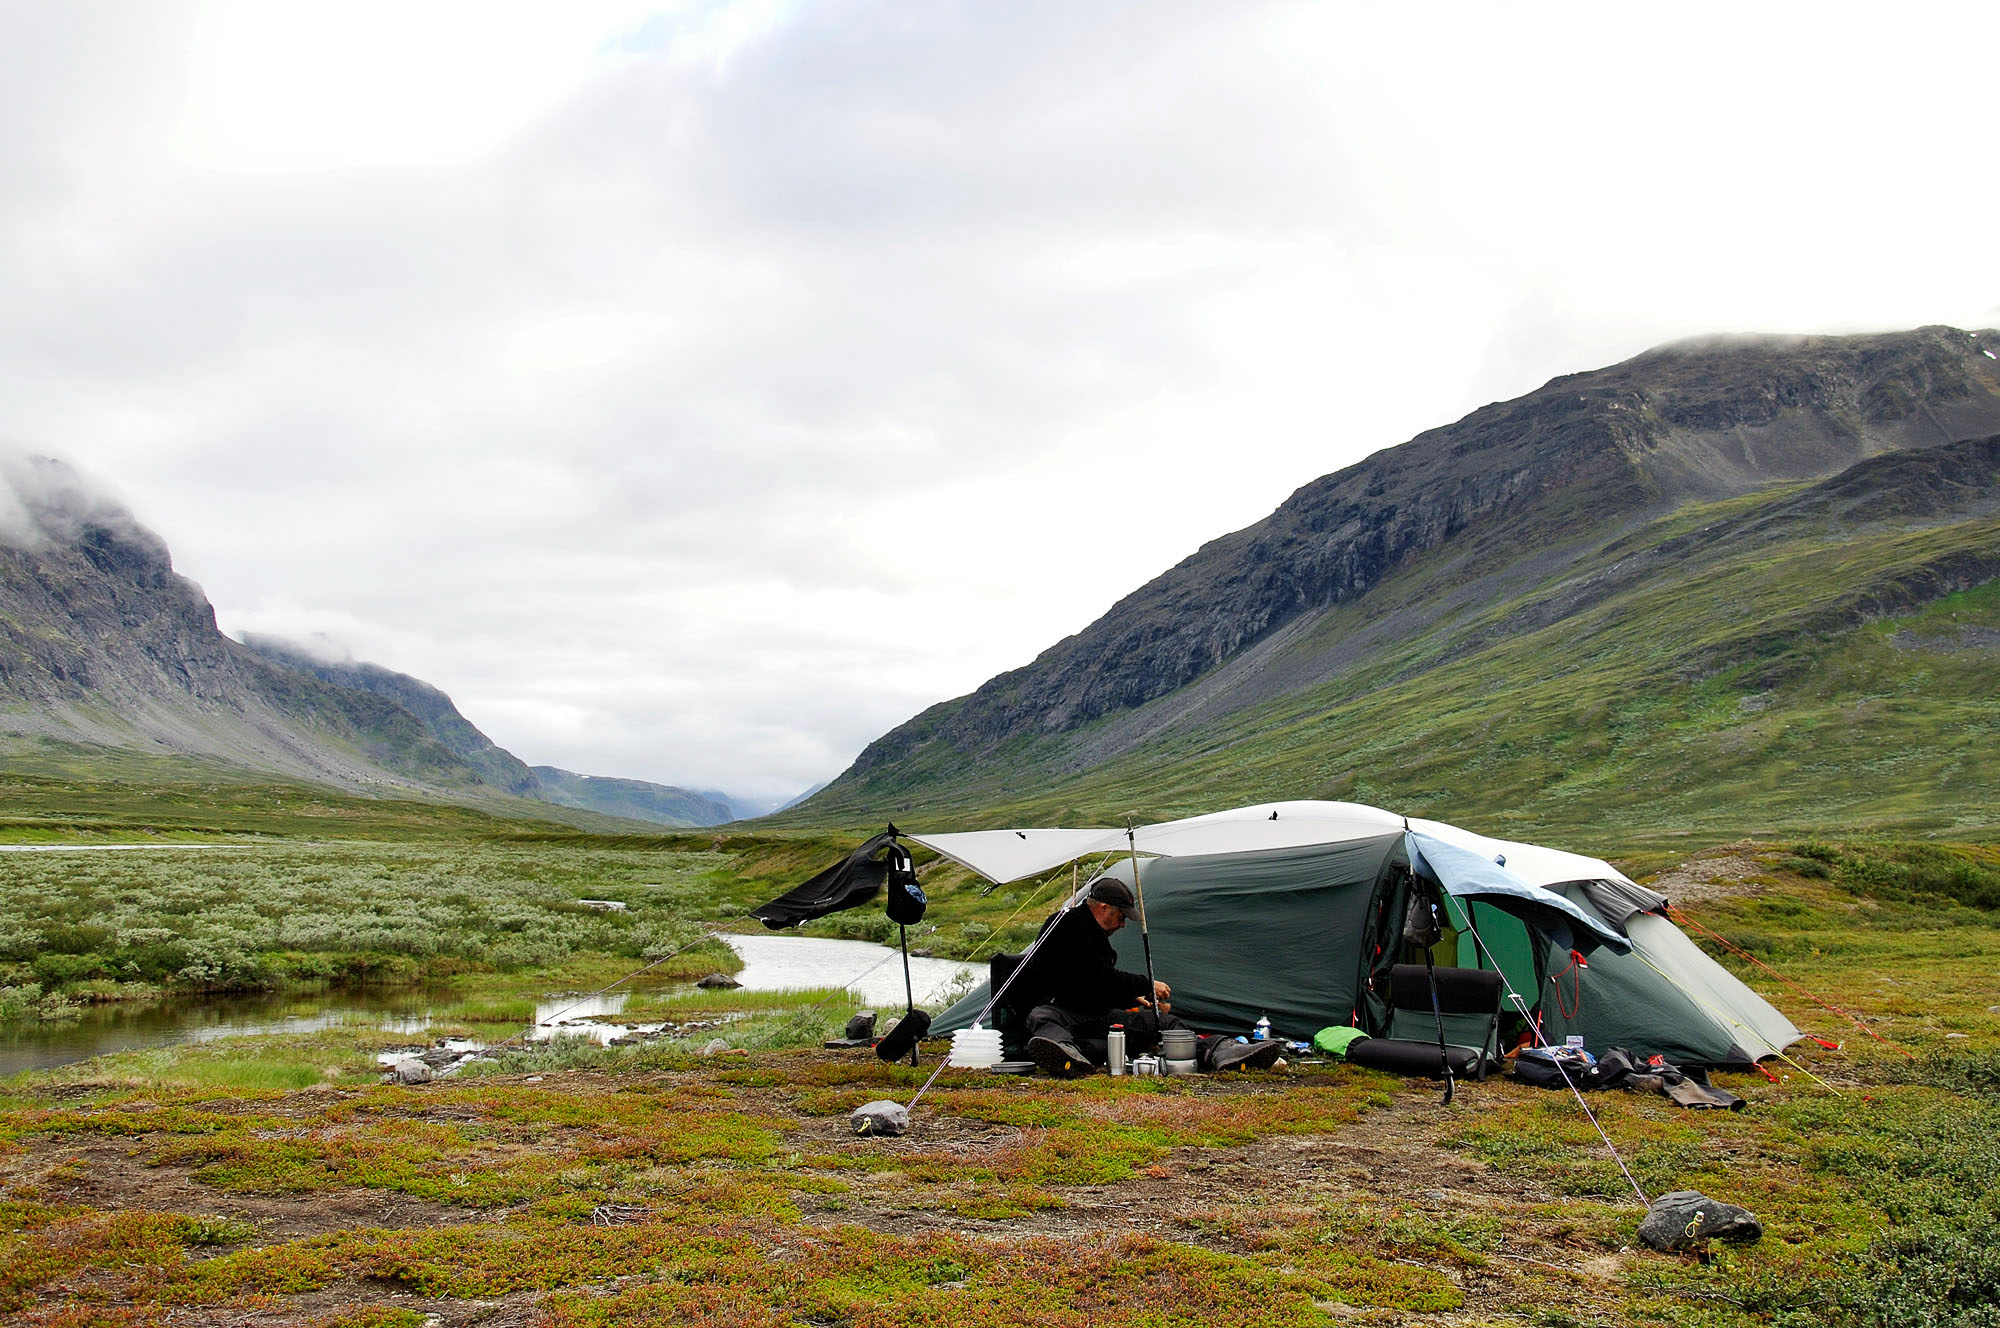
{"x":1161,"y":992}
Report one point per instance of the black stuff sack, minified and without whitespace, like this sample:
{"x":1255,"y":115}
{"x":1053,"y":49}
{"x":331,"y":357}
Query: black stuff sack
{"x":906,"y":900}
{"x":1558,"y":1067}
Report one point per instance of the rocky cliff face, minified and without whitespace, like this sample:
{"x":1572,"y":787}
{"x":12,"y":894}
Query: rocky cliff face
{"x":496,"y":766}
{"x":102,"y":642}
{"x":1503,"y":496}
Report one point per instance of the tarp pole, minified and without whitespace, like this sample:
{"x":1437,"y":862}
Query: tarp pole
{"x":909,"y":988}
{"x":1145,"y":937}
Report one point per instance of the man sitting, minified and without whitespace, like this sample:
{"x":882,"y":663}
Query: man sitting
{"x":1081,"y":992}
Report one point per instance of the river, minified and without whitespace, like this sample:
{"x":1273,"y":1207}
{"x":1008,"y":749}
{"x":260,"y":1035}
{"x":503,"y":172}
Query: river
{"x":770,"y":963}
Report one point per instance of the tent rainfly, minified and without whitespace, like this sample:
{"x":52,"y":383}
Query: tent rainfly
{"x":1294,"y":911}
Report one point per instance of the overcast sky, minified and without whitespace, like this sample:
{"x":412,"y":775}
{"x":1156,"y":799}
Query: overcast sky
{"x":695,"y":392}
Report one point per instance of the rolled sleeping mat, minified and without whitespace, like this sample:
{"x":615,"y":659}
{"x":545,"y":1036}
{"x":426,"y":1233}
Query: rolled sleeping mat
{"x":1459,"y":990}
{"x":898,"y":1041}
{"x":1412,"y":1059}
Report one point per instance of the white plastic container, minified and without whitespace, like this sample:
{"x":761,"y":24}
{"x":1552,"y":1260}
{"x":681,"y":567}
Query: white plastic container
{"x":975,"y":1048}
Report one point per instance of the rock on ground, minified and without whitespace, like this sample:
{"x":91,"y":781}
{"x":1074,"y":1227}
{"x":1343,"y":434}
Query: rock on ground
{"x":1679,"y":1221}
{"x":880,"y":1118}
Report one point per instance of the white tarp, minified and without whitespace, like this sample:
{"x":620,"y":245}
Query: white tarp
{"x":1531,"y":862}
{"x":1008,"y":855}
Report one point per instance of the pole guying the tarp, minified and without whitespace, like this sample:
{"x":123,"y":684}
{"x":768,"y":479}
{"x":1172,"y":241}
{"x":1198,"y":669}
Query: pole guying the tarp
{"x":1145,"y":937}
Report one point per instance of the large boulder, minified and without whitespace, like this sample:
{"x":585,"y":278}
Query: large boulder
{"x":1682,"y":1220}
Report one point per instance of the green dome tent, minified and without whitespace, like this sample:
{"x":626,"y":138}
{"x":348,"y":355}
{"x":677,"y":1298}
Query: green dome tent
{"x":1294,"y":911}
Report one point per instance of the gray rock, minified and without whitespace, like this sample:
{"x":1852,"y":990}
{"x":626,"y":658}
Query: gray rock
{"x":880,"y":1118}
{"x":862,"y":1026}
{"x":411,"y":1071}
{"x":1685,"y":1218}
{"x":715,"y":981}
{"x":715,"y":1047}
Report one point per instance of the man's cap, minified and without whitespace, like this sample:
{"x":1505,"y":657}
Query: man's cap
{"x":1109,"y":890}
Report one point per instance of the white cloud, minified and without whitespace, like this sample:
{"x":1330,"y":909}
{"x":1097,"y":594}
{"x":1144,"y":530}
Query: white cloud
{"x":694,"y":391}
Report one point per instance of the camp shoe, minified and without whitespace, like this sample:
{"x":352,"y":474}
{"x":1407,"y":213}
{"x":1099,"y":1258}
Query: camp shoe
{"x":1245,"y":1056}
{"x":1061,"y":1059}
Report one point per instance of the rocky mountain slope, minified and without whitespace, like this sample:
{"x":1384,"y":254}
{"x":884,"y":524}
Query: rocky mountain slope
{"x":104,"y":645}
{"x":1533,"y":518}
{"x":495,"y":766}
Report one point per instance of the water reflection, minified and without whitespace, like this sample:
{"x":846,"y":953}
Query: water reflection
{"x":577,"y":1015}
{"x":98,"y":1030}
{"x":872,"y":973}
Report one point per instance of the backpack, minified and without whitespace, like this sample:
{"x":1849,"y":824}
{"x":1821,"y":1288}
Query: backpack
{"x":1556,"y":1067}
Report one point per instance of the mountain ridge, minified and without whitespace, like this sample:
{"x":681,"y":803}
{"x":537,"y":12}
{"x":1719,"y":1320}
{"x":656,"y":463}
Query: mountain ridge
{"x":1515,"y":496}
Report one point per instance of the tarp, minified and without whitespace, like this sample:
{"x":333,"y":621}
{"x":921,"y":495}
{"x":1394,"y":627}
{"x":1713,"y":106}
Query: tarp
{"x":1536,"y":863}
{"x":1009,"y":855}
{"x":849,"y":883}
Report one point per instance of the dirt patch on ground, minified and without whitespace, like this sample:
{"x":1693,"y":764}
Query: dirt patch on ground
{"x":1719,"y":873}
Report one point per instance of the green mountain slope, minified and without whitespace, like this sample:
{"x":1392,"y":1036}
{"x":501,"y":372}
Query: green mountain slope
{"x":634,"y":799}
{"x":495,"y":766}
{"x":1728,"y":586}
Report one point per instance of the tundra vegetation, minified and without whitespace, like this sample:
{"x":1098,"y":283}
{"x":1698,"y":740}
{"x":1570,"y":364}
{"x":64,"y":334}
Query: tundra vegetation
{"x":278,"y":1180}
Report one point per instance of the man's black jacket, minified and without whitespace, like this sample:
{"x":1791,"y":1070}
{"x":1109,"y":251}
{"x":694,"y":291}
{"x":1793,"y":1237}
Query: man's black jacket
{"x":1076,"y":968}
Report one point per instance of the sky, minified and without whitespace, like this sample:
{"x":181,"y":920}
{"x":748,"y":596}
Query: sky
{"x":697,"y":391}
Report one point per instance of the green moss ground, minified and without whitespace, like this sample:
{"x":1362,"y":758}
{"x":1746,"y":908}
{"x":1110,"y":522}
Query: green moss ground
{"x":275,"y":1181}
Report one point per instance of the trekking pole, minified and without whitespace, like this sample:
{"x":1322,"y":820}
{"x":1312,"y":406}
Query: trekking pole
{"x":1145,"y":937}
{"x":909,"y":989}
{"x":1437,"y":1012}
{"x":1422,"y":928}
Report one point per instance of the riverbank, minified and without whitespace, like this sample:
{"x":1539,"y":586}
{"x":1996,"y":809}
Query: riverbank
{"x":847,"y":974}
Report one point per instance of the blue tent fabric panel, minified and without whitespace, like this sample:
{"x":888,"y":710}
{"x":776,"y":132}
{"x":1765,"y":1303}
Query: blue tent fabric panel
{"x":1466,"y":875}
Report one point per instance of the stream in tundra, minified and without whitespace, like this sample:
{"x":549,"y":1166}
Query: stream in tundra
{"x":770,"y":963}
